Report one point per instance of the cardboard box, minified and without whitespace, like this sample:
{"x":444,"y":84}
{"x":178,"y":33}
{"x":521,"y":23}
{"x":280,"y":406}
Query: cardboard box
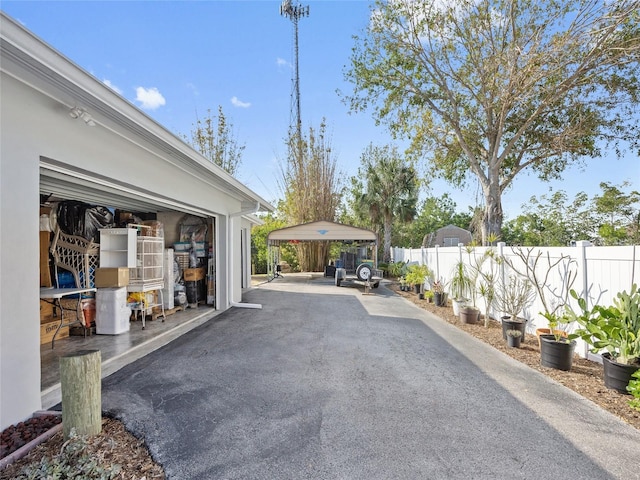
{"x":193,"y":274}
{"x":46,"y":311}
{"x":45,"y":271}
{"x":112,"y":277}
{"x":47,"y":330}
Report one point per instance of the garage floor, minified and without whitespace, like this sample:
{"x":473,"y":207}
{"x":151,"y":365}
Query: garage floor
{"x":117,"y":350}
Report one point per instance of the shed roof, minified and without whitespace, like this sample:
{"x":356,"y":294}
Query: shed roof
{"x":320,"y":231}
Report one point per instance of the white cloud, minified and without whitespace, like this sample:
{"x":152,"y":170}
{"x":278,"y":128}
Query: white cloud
{"x":193,"y":88}
{"x":149,"y":98}
{"x":112,"y":86}
{"x":281,"y":62}
{"x":238,"y":103}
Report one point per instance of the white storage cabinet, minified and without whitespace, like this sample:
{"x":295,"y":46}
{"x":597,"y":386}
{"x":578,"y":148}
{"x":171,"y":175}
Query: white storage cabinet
{"x":117,"y":247}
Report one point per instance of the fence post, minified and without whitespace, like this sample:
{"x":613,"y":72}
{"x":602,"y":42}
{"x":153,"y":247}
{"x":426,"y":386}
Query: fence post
{"x":437,"y":263}
{"x":501,"y":265}
{"x":581,"y":259}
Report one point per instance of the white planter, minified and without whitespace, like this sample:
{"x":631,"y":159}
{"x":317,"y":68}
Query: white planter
{"x":457,"y":304}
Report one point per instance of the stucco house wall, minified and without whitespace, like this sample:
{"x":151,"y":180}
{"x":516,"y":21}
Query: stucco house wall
{"x":126,"y":155}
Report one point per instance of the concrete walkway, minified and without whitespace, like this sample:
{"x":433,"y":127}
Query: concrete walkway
{"x":328,"y":383}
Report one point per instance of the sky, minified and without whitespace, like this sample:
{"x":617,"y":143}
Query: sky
{"x":176,"y":60}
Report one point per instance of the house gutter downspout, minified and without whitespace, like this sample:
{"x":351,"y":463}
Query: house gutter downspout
{"x":253,"y":210}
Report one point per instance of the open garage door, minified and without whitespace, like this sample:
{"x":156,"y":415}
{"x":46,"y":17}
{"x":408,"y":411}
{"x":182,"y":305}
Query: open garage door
{"x":63,"y":181}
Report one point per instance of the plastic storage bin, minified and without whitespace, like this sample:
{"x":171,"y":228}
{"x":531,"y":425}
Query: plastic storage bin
{"x":112,"y":313}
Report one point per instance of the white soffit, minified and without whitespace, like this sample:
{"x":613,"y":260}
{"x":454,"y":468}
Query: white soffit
{"x":321,"y":231}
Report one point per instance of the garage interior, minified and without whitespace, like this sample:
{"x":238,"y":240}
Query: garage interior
{"x":79,"y":216}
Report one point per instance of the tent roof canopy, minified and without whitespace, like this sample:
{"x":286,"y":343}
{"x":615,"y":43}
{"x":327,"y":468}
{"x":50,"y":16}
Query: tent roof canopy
{"x":321,"y":231}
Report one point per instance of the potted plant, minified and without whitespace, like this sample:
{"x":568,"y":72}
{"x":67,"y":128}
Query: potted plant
{"x":428,"y":296}
{"x":538,"y":266}
{"x":513,"y":338}
{"x":469,"y":312}
{"x":487,"y":282}
{"x":512,"y":296}
{"x":487,"y":291}
{"x":416,"y":275}
{"x":616,"y":330}
{"x":460,"y":286}
{"x":439,"y":297}
{"x":556,"y":350}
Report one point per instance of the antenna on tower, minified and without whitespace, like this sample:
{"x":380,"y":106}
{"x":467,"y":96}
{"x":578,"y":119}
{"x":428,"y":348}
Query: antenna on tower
{"x":294,"y":12}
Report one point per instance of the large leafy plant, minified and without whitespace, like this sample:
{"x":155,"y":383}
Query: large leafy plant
{"x":416,"y":274}
{"x":461,"y":284}
{"x":615,"y":329}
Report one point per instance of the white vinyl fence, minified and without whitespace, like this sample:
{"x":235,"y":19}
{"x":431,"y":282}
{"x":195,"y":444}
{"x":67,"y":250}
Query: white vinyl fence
{"x":599,"y":272}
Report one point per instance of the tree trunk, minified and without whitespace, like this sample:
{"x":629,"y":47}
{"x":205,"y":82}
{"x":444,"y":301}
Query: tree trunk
{"x":81,"y":393}
{"x":493,"y":216}
{"x":387,"y":240}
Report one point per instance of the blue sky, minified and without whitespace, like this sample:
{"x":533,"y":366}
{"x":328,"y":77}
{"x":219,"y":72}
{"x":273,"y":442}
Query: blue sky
{"x":177,"y":59}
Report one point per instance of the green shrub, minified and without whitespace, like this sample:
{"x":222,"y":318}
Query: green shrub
{"x":398,"y":269}
{"x":634,"y":389}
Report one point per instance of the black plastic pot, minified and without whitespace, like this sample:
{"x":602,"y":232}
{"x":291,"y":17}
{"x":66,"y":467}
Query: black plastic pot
{"x":508,"y":324}
{"x":439,"y":299}
{"x":554,"y":354}
{"x":617,"y":375}
{"x":513,"y":341}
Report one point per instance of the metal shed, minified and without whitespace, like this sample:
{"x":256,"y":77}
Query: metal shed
{"x":321,"y":231}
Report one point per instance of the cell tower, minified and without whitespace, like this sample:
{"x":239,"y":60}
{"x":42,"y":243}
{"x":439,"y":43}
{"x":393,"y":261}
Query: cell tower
{"x":294,"y":13}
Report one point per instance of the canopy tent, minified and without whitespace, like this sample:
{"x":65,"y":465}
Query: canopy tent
{"x":322,"y":231}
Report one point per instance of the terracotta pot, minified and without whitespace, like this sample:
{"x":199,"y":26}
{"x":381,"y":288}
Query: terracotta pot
{"x":547,"y":331}
{"x":469,"y":315}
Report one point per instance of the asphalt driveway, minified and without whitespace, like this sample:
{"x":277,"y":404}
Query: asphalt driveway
{"x":328,"y":383}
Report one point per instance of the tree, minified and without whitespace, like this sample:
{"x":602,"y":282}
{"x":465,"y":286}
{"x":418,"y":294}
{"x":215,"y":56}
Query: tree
{"x":311,"y":188}
{"x":259,"y":233}
{"x":493,"y":88}
{"x":389,"y":190}
{"x":619,"y":214}
{"x":213,"y":137}
{"x":552,"y":220}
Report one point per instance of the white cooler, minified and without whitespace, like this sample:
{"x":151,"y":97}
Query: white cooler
{"x":112,"y":313}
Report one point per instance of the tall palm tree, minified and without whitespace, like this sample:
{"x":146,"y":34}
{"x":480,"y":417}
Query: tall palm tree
{"x":389,"y":190}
